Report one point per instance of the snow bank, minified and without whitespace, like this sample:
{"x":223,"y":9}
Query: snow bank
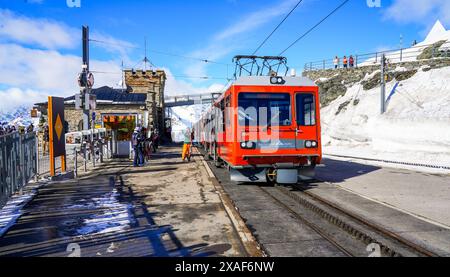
{"x":185,"y":117}
{"x":415,"y":128}
{"x":12,"y":210}
{"x":115,"y":217}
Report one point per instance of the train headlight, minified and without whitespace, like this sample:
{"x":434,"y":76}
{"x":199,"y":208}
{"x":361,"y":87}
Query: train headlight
{"x":277,"y":80}
{"x":248,"y":145}
{"x":311,"y":144}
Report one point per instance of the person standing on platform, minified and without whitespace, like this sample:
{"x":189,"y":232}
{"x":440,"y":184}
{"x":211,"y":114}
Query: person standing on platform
{"x":351,"y":62}
{"x":187,"y":145}
{"x":336,"y":62}
{"x":136,"y":141}
{"x":46,"y":139}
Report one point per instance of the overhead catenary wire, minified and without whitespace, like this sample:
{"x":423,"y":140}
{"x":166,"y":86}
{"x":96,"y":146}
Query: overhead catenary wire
{"x":315,"y":26}
{"x":159,"y":52}
{"x":174,"y":76}
{"x":277,"y":27}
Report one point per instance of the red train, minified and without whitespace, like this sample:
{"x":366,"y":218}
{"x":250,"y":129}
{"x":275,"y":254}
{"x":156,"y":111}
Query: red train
{"x":264,"y":129}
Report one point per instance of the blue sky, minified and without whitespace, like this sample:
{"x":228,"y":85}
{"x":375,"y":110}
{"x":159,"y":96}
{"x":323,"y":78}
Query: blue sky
{"x":43,"y":36}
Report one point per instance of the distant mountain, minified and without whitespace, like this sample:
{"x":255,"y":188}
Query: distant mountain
{"x":20,"y":117}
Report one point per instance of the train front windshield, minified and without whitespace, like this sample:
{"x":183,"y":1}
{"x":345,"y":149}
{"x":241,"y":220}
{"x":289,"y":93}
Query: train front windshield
{"x":265,"y":109}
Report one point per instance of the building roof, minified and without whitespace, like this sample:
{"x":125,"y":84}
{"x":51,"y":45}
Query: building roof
{"x":107,"y":95}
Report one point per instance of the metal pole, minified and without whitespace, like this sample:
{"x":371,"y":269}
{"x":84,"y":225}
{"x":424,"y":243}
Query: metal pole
{"x":85,"y":161}
{"x":93,"y":153}
{"x":75,"y":170}
{"x":86,"y":91}
{"x":383,"y":84}
{"x":37,"y":157}
{"x":101,"y":152}
{"x":22,"y":161}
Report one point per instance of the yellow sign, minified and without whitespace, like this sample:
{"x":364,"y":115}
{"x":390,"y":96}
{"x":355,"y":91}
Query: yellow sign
{"x":59,"y":127}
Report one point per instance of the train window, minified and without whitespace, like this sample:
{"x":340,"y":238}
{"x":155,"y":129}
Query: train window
{"x":227,"y":111}
{"x":306,"y":109}
{"x":265,"y":109}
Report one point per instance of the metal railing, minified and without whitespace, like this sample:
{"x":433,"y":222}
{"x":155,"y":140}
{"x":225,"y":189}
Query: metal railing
{"x":415,"y":53}
{"x":17,"y":163}
{"x":83,"y":158}
{"x":23,"y":157}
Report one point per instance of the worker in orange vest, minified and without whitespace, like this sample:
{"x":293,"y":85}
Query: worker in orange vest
{"x":187,"y":145}
{"x":345,"y":62}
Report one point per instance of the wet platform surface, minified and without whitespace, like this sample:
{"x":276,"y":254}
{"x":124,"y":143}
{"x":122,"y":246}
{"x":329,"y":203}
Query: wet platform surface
{"x":168,"y":208}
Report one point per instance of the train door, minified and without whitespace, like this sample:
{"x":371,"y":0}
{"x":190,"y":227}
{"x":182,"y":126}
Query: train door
{"x":306,"y":130}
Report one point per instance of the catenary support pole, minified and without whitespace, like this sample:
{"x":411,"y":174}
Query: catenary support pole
{"x":383,"y":84}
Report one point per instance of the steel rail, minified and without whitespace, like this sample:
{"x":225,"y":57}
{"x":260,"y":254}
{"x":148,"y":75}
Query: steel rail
{"x":351,"y":229}
{"x":309,"y":224}
{"x":376,"y":227}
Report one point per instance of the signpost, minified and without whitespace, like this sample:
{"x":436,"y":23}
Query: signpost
{"x":56,"y":133}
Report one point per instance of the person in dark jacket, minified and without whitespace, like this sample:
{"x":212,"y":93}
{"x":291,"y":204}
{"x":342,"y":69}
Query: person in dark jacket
{"x":137,"y":140}
{"x":46,"y":139}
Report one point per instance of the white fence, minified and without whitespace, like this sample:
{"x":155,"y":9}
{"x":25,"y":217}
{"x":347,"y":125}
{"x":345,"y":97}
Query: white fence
{"x":415,"y":53}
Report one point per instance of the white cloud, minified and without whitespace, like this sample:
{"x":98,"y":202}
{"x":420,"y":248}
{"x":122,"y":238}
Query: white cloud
{"x":231,"y":38}
{"x":256,"y":19}
{"x":48,"y":70}
{"x":175,"y":87}
{"x":17,"y":97}
{"x":113,"y":45}
{"x":28,"y":74}
{"x":40,"y":32}
{"x":419,"y":11}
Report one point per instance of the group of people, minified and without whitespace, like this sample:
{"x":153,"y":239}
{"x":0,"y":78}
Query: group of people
{"x":346,"y":62}
{"x":143,"y":145}
{"x":6,"y":129}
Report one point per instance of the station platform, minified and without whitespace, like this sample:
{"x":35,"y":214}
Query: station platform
{"x":168,"y":208}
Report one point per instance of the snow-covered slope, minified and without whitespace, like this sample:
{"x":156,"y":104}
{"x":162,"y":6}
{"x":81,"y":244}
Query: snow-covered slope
{"x":415,"y":128}
{"x":185,"y":117}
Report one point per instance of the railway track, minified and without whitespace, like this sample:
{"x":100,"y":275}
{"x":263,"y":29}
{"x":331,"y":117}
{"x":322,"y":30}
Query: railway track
{"x":351,"y":234}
